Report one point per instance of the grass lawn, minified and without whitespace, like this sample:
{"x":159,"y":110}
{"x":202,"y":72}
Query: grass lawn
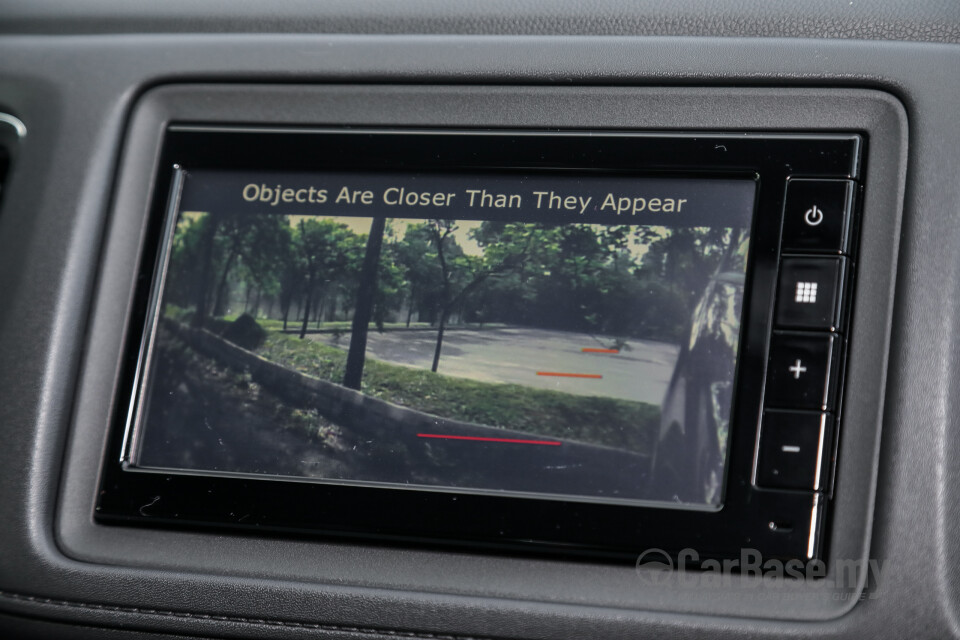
{"x":604,"y":421}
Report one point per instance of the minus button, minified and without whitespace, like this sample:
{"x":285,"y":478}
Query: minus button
{"x":793,"y":451}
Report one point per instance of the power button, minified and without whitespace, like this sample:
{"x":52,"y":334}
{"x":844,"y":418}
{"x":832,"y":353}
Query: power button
{"x":816,"y":216}
{"x":813,"y":216}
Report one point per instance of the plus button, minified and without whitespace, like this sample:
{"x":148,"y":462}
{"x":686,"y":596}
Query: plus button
{"x":797,"y":369}
{"x":800,"y":371}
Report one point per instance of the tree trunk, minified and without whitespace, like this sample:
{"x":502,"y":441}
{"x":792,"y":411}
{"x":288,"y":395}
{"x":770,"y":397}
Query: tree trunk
{"x":218,"y":308}
{"x":246,"y":299}
{"x":286,"y":301}
{"x":441,"y":326}
{"x":332,"y":310}
{"x":306,"y":314}
{"x":364,"y":309}
{"x":300,"y":307}
{"x":256,"y":304}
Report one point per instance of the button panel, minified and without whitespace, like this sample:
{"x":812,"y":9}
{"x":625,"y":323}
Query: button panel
{"x":796,"y":439}
{"x":809,"y":293}
{"x":800,"y":373}
{"x":816,"y":216}
{"x":793,"y":449}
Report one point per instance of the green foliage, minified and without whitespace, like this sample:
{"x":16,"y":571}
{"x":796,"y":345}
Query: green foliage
{"x":603,"y":421}
{"x":621,"y":282}
{"x":417,"y":258}
{"x":247,"y":250}
{"x":391,"y":284}
{"x":185,"y":259}
{"x":179,"y":314}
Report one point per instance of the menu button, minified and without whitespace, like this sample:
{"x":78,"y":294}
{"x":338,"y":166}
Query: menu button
{"x":809,"y":295}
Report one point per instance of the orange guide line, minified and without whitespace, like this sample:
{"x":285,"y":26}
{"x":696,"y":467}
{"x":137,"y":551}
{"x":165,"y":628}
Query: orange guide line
{"x":591,"y":350}
{"x":557,"y":374}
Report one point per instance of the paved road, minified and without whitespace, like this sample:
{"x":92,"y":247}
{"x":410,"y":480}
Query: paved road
{"x":639,"y":372}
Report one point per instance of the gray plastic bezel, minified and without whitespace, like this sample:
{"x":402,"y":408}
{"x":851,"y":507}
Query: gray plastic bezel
{"x":877,"y":115}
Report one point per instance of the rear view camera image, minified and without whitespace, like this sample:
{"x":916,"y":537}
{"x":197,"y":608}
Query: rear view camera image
{"x":557,"y":336}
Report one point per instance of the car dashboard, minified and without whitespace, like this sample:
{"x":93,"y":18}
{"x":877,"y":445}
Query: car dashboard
{"x":454,"y":478}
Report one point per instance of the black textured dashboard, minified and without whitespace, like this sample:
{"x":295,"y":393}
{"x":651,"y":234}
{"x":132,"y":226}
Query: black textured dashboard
{"x":72,"y":219}
{"x":918,"y":22}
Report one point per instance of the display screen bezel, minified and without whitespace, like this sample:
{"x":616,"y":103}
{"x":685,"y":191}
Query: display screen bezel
{"x":579,"y":471}
{"x":566,"y":526}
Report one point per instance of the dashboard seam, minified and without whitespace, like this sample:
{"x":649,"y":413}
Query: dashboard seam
{"x":317,"y":626}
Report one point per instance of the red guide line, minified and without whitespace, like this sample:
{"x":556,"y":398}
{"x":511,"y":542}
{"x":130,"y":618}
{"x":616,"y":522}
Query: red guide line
{"x":593,"y":350}
{"x":513,"y":440}
{"x":557,"y":374}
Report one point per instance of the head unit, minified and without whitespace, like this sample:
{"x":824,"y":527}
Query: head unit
{"x":574,"y":342}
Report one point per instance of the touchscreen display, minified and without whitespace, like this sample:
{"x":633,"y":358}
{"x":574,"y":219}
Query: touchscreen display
{"x":551,"y":334}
